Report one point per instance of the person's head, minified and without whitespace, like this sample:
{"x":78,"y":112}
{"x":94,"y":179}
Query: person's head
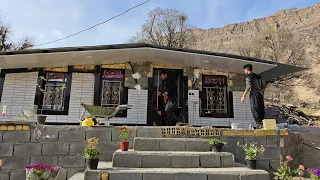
{"x":164,"y":75}
{"x":247,"y":68}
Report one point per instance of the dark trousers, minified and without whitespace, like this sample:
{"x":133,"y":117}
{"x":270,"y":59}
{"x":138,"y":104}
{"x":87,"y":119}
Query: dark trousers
{"x":257,"y":108}
{"x":170,"y":108}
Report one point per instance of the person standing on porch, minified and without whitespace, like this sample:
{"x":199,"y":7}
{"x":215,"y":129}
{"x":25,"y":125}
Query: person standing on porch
{"x":170,"y":98}
{"x":254,"y":86}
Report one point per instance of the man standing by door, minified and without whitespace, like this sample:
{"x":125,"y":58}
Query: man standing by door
{"x":170,"y":98}
{"x":254,"y":86}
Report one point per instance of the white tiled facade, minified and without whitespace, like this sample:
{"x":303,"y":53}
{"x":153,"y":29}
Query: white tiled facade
{"x":242,"y":112}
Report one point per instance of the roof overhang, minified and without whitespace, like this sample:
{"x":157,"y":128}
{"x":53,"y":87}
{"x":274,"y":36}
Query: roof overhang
{"x":113,"y":54}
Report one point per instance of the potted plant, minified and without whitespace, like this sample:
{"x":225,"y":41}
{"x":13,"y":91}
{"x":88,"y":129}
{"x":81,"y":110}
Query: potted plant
{"x":91,"y":153}
{"x":252,"y":151}
{"x":124,"y":135}
{"x":284,"y":171}
{"x":42,"y":172}
{"x":216,"y":145}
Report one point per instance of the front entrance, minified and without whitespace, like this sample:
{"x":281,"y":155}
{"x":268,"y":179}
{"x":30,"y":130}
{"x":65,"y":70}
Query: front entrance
{"x":157,"y":115}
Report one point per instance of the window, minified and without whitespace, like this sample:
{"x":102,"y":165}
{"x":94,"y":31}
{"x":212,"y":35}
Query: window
{"x":112,"y":87}
{"x":214,"y":96}
{"x":54,"y":91}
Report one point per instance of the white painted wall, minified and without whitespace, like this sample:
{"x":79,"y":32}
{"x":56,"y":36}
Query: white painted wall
{"x":242,"y":112}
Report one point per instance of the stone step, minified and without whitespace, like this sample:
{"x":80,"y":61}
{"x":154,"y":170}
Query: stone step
{"x":170,"y":144}
{"x":236,"y":173}
{"x":173,"y":159}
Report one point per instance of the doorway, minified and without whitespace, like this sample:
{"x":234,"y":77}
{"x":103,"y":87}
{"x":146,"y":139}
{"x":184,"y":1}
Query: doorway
{"x":157,"y":114}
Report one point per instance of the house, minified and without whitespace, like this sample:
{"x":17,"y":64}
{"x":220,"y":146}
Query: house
{"x":209,"y":84}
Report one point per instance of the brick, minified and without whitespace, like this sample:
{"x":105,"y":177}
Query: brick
{"x":223,"y":176}
{"x":151,"y":132}
{"x":72,"y":135}
{"x":25,"y":128}
{"x":6,"y":149}
{"x":171,"y":144}
{"x":185,"y":161}
{"x":101,"y":134}
{"x":16,"y":136}
{"x":116,"y":133}
{"x":227,"y":160}
{"x":11,"y":128}
{"x":197,"y":145}
{"x":77,"y":148}
{"x":232,"y":140}
{"x":73,"y":171}
{"x":260,"y":140}
{"x":19,"y":128}
{"x":4,"y":175}
{"x":45,"y":134}
{"x":3,"y":128}
{"x":143,"y":144}
{"x":44,"y":159}
{"x":71,"y":161}
{"x":125,"y":176}
{"x":126,"y":160}
{"x":18,"y":175}
{"x":265,"y":132}
{"x":15,"y":162}
{"x":27,"y":149}
{"x":55,"y":148}
{"x":272,"y":141}
{"x":154,"y":161}
{"x":210,"y":161}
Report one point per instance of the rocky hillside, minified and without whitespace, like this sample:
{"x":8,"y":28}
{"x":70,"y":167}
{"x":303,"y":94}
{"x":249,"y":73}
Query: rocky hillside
{"x":304,"y":23}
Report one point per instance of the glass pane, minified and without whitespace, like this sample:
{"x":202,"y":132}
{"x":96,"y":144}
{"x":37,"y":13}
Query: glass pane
{"x":57,"y":77}
{"x":213,"y":80}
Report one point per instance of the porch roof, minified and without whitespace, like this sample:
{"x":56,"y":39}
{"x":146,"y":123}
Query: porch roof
{"x":122,"y":53}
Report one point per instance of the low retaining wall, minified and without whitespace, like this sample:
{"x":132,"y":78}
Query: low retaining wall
{"x":63,"y":145}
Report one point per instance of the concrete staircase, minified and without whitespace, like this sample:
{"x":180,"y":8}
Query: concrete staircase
{"x":173,"y":159}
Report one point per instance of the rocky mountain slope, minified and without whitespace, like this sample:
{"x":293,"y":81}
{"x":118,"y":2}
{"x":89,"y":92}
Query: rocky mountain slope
{"x":304,"y":23}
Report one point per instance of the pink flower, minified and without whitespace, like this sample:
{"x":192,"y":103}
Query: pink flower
{"x":289,"y":158}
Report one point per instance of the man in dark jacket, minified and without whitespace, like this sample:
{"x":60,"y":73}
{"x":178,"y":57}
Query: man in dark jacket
{"x":254,"y":86}
{"x":170,"y":98}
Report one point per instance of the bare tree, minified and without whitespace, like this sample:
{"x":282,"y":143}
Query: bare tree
{"x":6,"y":43}
{"x":166,"y":27}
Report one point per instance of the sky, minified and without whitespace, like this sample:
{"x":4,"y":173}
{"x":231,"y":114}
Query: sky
{"x":48,"y":20}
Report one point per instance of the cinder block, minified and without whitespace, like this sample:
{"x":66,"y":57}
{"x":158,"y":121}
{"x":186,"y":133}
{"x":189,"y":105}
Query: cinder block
{"x":126,"y":160}
{"x":155,"y":176}
{"x":210,"y":161}
{"x":18,"y":175}
{"x":227,"y":160}
{"x":71,"y":161}
{"x":260,"y":140}
{"x":107,"y":146}
{"x":6,"y":149}
{"x":255,"y":176}
{"x":198,"y":145}
{"x":229,"y":149}
{"x":45,"y":134}
{"x":240,"y":154}
{"x":15,"y":162}
{"x":185,"y":161}
{"x":72,"y":135}
{"x":102,"y":134}
{"x":4,"y":175}
{"x":77,"y":148}
{"x":188,"y":176}
{"x":27,"y":149}
{"x":232,"y":140}
{"x":272,"y":141}
{"x":233,"y":176}
{"x":271,"y":153}
{"x":88,"y":175}
{"x":154,"y":161}
{"x":144,"y":144}
{"x":172,"y":144}
{"x":73,"y":171}
{"x":151,"y":132}
{"x":16,"y":136}
{"x":116,"y":133}
{"x":107,"y":156}
{"x":56,"y":148}
{"x":125,"y":176}
{"x":44,"y":159}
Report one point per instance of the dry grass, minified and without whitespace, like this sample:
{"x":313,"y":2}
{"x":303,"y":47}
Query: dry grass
{"x":308,"y":111}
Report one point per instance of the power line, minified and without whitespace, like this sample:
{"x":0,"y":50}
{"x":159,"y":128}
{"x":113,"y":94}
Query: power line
{"x":71,"y":35}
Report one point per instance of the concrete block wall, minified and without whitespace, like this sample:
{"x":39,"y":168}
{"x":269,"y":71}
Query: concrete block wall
{"x":242,"y":112}
{"x":64,"y":145}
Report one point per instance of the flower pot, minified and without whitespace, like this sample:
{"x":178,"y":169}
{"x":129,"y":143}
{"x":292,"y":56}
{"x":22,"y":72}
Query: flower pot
{"x":41,"y":119}
{"x":92,"y":163}
{"x":252,"y":164}
{"x":124,"y":146}
{"x":217,"y":147}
